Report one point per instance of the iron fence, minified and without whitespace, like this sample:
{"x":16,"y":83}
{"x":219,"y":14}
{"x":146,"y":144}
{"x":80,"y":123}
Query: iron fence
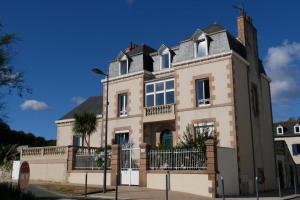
{"x":176,"y":159}
{"x":91,"y":159}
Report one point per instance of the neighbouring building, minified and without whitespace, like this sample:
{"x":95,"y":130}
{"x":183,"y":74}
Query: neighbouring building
{"x":287,"y":148}
{"x":211,"y":80}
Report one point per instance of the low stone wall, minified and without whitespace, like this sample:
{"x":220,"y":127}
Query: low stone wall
{"x":94,"y":177}
{"x":189,"y":182}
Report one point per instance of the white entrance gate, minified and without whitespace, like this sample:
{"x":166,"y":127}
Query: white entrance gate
{"x":130,"y":164}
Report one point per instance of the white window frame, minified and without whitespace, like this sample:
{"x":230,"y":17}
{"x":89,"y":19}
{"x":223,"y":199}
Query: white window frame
{"x":166,"y":51}
{"x":200,"y":39}
{"x":123,"y":131}
{"x":277,"y":130}
{"x":295,"y":127}
{"x":202,"y":125}
{"x":124,"y":58}
{"x":159,"y":92}
{"x":78,"y":137}
{"x":202,"y":101}
{"x":123,"y":110}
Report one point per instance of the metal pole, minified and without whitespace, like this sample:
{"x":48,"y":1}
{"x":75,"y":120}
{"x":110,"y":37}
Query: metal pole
{"x":223,"y":191}
{"x":167,"y":187}
{"x":256,"y":184}
{"x":117,"y":183}
{"x":295,"y":184}
{"x":85,"y":185}
{"x":105,"y":144}
{"x":279,"y":186}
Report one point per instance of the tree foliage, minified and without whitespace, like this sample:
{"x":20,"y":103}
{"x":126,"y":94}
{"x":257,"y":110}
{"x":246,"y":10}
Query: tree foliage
{"x":9,"y":78}
{"x":8,"y":137}
{"x":85,"y":124}
{"x":190,"y":140}
{"x":8,"y":153}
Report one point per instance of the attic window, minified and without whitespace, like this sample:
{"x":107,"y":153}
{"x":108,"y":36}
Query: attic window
{"x":297,"y":128}
{"x":201,"y":46}
{"x":123,"y":67}
{"x":165,"y":59}
{"x":279,"y":130}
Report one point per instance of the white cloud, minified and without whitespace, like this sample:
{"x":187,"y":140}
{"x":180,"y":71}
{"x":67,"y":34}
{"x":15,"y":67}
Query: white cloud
{"x":283,"y":66}
{"x":77,"y":100}
{"x":34,"y":105}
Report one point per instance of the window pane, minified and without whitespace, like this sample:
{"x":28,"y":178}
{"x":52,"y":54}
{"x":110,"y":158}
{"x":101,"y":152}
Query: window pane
{"x":159,"y":99}
{"x":166,"y":138}
{"x":159,"y":86}
{"x":122,"y":104}
{"x":206,"y":89}
{"x":199,"y":91}
{"x":165,"y":61}
{"x":169,"y":85}
{"x":149,"y":88}
{"x":201,"y":48}
{"x":170,"y":97}
{"x":150,"y":100}
{"x":124,"y":67}
{"x":121,"y":138}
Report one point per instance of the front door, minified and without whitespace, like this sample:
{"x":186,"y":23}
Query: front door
{"x":130,"y":164}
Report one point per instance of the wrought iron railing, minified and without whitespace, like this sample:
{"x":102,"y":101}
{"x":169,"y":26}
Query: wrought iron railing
{"x":90,"y":159}
{"x":176,"y":159}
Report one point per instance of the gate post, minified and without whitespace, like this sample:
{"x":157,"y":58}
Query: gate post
{"x":143,"y":164}
{"x":71,"y":158}
{"x":115,"y":163}
{"x":212,"y":165}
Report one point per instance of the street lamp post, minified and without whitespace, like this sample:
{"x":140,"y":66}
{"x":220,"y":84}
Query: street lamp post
{"x":100,"y":72}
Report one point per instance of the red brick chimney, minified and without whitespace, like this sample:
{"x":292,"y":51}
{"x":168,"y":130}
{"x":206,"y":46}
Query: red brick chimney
{"x":247,"y":34}
{"x":132,"y":46}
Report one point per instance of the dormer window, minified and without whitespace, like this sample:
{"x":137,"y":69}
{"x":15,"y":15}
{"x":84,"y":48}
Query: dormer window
{"x":297,"y":129}
{"x":165,"y":58}
{"x":279,"y":130}
{"x":123,"y":67}
{"x":201,"y":46}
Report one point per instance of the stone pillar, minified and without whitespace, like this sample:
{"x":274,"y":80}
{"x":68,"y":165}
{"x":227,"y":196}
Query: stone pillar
{"x":143,"y":164}
{"x":212,"y":165}
{"x":115,"y":163}
{"x":71,"y":158}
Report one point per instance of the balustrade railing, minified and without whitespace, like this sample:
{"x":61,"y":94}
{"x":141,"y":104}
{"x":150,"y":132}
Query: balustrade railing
{"x":159,"y":110}
{"x":44,"y":151}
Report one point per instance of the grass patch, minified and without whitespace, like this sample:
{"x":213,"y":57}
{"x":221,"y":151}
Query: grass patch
{"x":70,"y":190}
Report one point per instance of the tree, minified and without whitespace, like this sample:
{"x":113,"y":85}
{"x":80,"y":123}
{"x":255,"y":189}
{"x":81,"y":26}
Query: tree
{"x":190,"y":140}
{"x":8,"y":153}
{"x":9,"y":78}
{"x":85,"y":124}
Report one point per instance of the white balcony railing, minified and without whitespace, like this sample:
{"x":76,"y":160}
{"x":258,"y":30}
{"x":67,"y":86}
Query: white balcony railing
{"x":39,"y":152}
{"x":158,"y":113}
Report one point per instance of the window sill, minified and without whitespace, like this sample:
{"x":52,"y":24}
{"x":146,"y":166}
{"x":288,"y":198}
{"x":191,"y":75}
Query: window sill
{"x":204,"y":105}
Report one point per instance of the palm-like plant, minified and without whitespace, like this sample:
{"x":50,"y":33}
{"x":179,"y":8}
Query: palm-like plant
{"x":85,"y":124}
{"x":8,"y":153}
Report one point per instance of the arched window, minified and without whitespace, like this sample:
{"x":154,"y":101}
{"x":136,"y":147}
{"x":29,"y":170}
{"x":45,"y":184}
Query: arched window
{"x":201,"y":46}
{"x":166,"y":138}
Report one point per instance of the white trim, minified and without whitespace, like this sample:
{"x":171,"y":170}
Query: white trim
{"x":201,"y":38}
{"x":210,"y":125}
{"x":279,"y":127}
{"x":166,"y":51}
{"x":122,"y":131}
{"x":204,"y":101}
{"x":72,"y":120}
{"x":164,"y":91}
{"x":124,"y":58}
{"x":297,"y":126}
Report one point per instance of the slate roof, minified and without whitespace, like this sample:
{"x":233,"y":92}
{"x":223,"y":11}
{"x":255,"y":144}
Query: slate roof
{"x":141,"y":49}
{"x":92,"y":104}
{"x":288,"y":128}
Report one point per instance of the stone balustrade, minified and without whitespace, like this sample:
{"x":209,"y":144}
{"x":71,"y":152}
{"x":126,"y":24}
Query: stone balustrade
{"x":42,"y":152}
{"x":159,"y":113}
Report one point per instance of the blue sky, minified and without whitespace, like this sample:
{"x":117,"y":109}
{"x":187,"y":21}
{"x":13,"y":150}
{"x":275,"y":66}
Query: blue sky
{"x":60,"y":41}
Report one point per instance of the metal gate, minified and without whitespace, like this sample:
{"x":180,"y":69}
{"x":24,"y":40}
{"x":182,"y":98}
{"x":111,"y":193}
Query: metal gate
{"x":130,"y":164}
